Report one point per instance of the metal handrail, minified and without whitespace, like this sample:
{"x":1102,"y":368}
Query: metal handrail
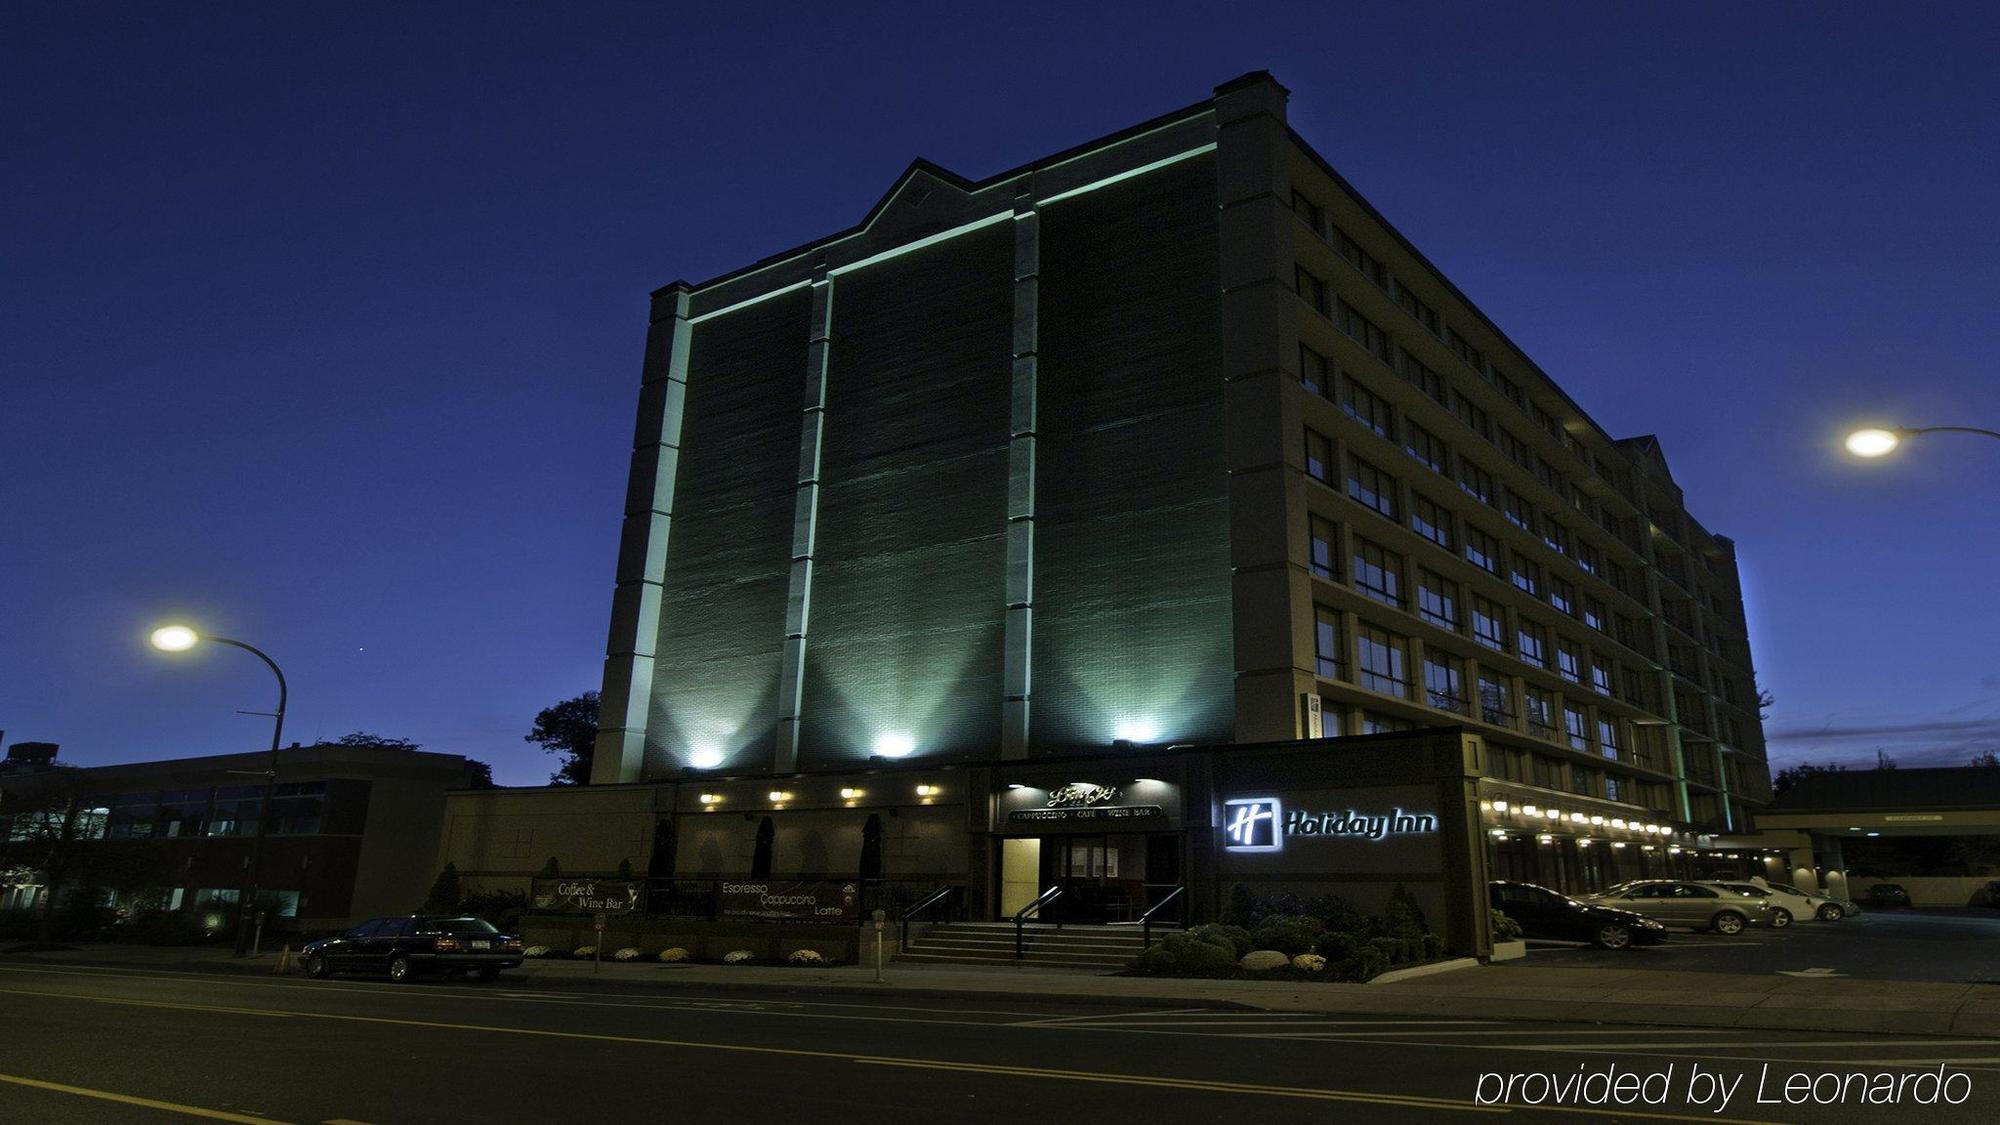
{"x":928,"y":901}
{"x":1021,"y":916}
{"x":1146,"y":919}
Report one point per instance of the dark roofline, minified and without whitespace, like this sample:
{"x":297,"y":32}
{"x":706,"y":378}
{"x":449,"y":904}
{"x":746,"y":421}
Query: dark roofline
{"x":967,"y":185}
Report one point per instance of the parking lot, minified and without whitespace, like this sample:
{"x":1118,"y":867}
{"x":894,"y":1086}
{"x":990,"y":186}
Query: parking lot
{"x":1883,"y":945}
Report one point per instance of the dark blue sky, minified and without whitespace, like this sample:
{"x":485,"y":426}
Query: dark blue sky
{"x":322,"y":325}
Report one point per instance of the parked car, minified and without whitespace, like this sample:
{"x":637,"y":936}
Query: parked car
{"x":1826,"y":907}
{"x":1783,"y":911}
{"x":1694,"y":905}
{"x":1544,"y":913}
{"x":1883,"y":896}
{"x":405,"y":946}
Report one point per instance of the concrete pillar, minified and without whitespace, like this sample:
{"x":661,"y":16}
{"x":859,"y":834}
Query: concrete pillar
{"x":805,"y":522}
{"x":1019,"y":648}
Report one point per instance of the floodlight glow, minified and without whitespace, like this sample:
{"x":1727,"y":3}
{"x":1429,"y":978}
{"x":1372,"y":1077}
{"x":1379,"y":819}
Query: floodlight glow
{"x":1136,"y":730}
{"x":894,"y":745}
{"x":174,"y":638}
{"x":705,"y":759}
{"x":1872,"y":443}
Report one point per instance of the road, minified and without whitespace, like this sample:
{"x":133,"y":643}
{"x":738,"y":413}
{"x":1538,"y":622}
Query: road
{"x":1891,"y":945}
{"x":90,"y":1045}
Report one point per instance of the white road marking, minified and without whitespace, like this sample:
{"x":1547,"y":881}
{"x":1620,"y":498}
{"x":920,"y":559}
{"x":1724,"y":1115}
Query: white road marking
{"x":1441,"y":1031}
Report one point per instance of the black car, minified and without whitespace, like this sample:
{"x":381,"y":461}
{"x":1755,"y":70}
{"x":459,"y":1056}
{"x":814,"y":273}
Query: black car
{"x":405,"y":946}
{"x":1882,"y":896}
{"x":1543,"y":913}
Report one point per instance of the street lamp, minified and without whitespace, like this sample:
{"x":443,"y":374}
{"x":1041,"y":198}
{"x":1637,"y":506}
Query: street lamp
{"x":1875,"y":442}
{"x":180,"y":638}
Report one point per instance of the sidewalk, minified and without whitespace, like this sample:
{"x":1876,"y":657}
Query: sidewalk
{"x":1645,"y":996}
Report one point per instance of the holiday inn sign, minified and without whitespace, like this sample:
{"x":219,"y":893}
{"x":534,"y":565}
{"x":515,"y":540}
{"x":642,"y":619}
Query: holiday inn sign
{"x":1260,"y":824}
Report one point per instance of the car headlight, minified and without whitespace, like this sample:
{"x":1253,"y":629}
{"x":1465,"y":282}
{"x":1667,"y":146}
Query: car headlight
{"x":1653,"y":925}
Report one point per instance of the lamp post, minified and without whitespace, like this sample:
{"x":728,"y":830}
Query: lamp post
{"x":1875,"y":442}
{"x":180,"y":638}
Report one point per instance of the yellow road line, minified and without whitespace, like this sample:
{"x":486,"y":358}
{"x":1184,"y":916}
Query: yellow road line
{"x":145,"y":1103}
{"x":1211,"y":1086}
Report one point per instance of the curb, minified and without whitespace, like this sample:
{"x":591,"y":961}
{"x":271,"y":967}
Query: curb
{"x":1430,"y":970}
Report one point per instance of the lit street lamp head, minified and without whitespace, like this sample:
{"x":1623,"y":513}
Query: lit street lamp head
{"x":1873,"y":443}
{"x":174,"y":638}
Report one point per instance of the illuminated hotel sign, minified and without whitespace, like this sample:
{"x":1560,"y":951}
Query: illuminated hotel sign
{"x":1260,"y":824}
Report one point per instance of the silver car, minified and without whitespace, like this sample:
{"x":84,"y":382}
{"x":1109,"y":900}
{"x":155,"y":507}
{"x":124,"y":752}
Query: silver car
{"x":1788,"y":903}
{"x":1694,"y":905}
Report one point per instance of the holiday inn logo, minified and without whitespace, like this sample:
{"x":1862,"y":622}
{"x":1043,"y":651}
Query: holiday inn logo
{"x":1260,"y":824}
{"x":1250,"y":824}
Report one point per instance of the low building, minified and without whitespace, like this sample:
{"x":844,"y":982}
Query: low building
{"x":353,"y":832}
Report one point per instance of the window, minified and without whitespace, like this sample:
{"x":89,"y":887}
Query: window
{"x":1540,"y":707}
{"x":1496,"y":703}
{"x":1546,"y":420}
{"x":1594,"y":614}
{"x":236,"y":809}
{"x":1311,"y":288}
{"x":1430,"y":520}
{"x":1371,"y":486}
{"x":1512,"y":449}
{"x":1583,"y":781}
{"x":1463,"y":349}
{"x":1367,"y":407}
{"x":1635,"y":687}
{"x":1508,"y":388}
{"x":1374,"y":722}
{"x":1476,"y":481}
{"x":1526,"y":576}
{"x":1319,"y":456}
{"x":1600,"y":674}
{"x":1427,"y":447}
{"x":1482,"y":550}
{"x":1473,"y":417}
{"x":1378,"y":573}
{"x":1562,"y":594}
{"x":1555,"y":535}
{"x":1360,"y":259}
{"x":1518,"y":511}
{"x":1587,"y":557}
{"x":296,"y":808}
{"x":1576,"y":727}
{"x":1444,"y":684}
{"x":1569,"y":661}
{"x":1614,"y":787}
{"x":1314,"y":373}
{"x":1437,"y":599}
{"x":1415,"y":306}
{"x":1534,"y":642}
{"x":1312,"y":213}
{"x":1364,"y":332}
{"x":1324,"y":537}
{"x":1425,"y":380}
{"x":1489,"y":624}
{"x":1326,"y":641}
{"x":1381,"y":656}
{"x":1609,"y":741}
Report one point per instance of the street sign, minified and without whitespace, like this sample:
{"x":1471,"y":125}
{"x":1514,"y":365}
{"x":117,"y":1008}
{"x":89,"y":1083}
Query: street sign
{"x":597,"y":923}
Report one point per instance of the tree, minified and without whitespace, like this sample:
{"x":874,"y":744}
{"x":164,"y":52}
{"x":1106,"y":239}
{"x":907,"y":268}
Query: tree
{"x":871,"y":848}
{"x":478,"y":775}
{"x":569,"y":731}
{"x":375,"y":741}
{"x":1986,"y":759}
{"x":1785,"y":779}
{"x":445,"y":894}
{"x":1765,"y":701}
{"x":760,"y":860}
{"x":1883,"y":761}
{"x":47,"y":820}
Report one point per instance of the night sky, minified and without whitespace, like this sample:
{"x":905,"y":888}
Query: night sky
{"x":321,"y":326}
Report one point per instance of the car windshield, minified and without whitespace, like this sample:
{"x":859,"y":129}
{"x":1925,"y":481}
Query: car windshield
{"x":1786,"y":888}
{"x":459,"y":926}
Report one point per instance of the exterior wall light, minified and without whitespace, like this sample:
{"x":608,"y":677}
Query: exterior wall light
{"x":1500,"y":832}
{"x":1617,"y":822}
{"x":1555,"y":814}
{"x":1577,"y":817}
{"x":1617,"y":843}
{"x":1545,"y":839}
{"x":1596,"y":820}
{"x":1500,"y":806}
{"x":711,"y":798}
{"x":779,"y":796}
{"x":927,"y":790}
{"x":849,"y":794}
{"x":1530,"y":810}
{"x":1585,"y":842}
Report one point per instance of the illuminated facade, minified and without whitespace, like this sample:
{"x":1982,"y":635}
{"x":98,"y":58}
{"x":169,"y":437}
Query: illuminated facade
{"x":1166,"y":440}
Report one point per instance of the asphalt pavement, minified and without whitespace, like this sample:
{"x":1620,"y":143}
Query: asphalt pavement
{"x":92,"y":1044}
{"x":1888,"y":945}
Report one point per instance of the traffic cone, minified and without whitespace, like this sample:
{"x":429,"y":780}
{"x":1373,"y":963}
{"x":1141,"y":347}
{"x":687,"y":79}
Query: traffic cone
{"x":284,"y":960}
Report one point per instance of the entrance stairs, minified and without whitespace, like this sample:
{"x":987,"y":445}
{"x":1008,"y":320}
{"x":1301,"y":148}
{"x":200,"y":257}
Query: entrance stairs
{"x":1043,"y":944}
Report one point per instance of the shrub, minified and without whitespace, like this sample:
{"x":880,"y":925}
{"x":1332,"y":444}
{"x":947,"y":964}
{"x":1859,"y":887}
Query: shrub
{"x":1242,"y":908}
{"x":629,"y":953}
{"x":1158,"y":959}
{"x":1401,"y":916}
{"x":536,"y":951}
{"x":1236,"y":939}
{"x":674,"y":955}
{"x":1265,"y":960}
{"x":738,"y":957}
{"x":584,"y":952}
{"x":1289,"y":934}
{"x":1204,"y":957}
{"x":1309,"y":963}
{"x":806,"y":957}
{"x":1340,"y":945}
{"x":1365,"y":965}
{"x":1505,"y":928}
{"x":1433,"y":946}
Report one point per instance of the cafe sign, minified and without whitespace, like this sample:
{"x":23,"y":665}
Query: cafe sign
{"x":824,"y":900}
{"x":588,"y":896}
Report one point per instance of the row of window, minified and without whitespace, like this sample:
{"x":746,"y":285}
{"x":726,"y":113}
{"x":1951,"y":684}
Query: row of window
{"x":1382,"y":665}
{"x":229,"y":810}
